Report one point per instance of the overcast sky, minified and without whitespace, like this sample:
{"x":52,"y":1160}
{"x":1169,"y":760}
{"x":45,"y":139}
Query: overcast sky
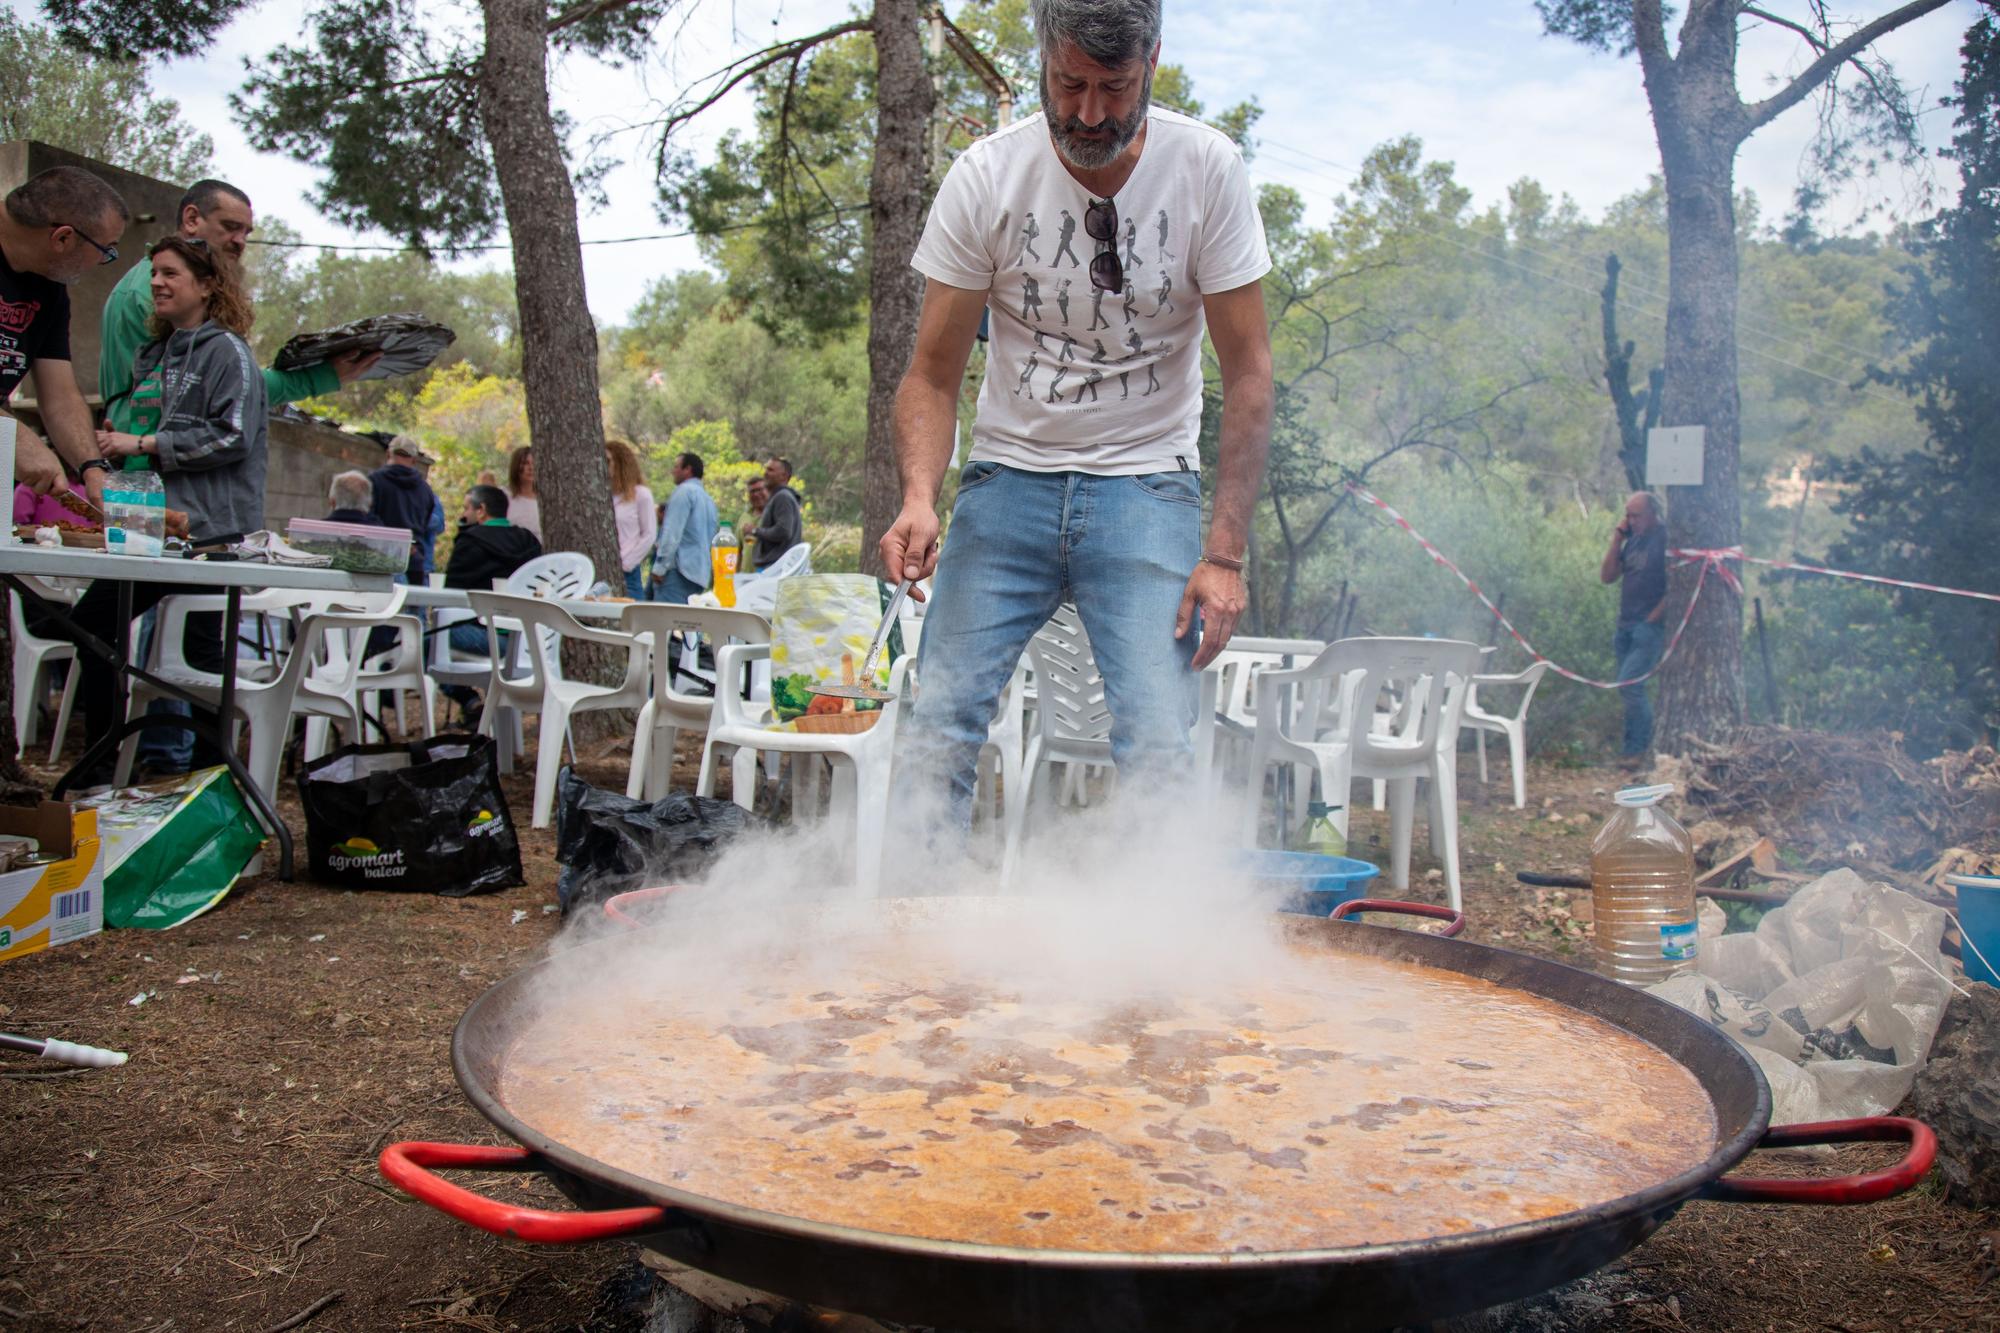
{"x":1475,"y":79}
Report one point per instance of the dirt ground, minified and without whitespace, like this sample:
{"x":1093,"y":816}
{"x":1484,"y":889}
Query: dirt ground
{"x":226,"y":1179}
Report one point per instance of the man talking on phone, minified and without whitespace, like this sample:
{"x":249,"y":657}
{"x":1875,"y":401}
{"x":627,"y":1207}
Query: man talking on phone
{"x":1638,"y":557}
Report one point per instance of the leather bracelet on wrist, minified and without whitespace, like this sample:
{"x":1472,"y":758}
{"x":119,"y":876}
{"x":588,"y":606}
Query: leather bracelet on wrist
{"x":1222,"y":562}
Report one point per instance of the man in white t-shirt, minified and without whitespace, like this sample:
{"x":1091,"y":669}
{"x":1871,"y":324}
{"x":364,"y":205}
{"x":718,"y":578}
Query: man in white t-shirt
{"x":1102,"y":235}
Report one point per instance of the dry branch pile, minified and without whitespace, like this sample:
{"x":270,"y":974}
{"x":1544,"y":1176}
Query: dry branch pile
{"x":1856,"y":800}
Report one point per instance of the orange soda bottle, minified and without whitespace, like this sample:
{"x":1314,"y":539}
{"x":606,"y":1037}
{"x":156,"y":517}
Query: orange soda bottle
{"x":722,"y":565}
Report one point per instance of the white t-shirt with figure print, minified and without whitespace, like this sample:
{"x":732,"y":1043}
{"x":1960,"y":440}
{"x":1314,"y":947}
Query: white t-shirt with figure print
{"x":1079,"y":380}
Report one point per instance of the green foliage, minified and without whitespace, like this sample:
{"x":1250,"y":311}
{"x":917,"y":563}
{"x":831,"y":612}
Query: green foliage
{"x":1846,"y":658}
{"x":1602,"y":25}
{"x":98,"y":107}
{"x":468,"y":422}
{"x":299,"y":290}
{"x":391,"y":109}
{"x":1539,"y":556}
{"x":782,"y":210}
{"x":692,"y":356}
{"x":726,"y":474}
{"x":127,"y":29}
{"x":1927,"y":513}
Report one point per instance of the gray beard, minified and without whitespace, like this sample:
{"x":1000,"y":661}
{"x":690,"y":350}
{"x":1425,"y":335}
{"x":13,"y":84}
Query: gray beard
{"x":1091,"y":154}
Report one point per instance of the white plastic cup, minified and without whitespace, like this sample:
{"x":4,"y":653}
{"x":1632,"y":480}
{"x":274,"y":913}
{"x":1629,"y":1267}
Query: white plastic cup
{"x":436,"y":579}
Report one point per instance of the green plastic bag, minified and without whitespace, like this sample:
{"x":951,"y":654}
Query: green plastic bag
{"x":817,"y":620}
{"x":174,"y":850}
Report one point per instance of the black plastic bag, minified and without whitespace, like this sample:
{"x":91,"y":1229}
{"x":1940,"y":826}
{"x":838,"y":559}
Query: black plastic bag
{"x":607,"y":843}
{"x":428,"y":817}
{"x":407,"y":341}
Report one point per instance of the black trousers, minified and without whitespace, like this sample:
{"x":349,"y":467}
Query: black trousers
{"x":97,"y":613}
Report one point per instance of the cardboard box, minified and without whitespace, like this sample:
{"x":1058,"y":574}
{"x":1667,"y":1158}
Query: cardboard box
{"x":52,"y":904}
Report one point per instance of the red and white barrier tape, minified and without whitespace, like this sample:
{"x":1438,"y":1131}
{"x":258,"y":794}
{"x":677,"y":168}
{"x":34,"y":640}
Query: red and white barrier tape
{"x":1716,"y":559}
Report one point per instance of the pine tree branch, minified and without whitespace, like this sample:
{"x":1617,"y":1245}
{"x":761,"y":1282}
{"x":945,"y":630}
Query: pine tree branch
{"x":1757,"y":115}
{"x":1812,"y":38}
{"x":756,"y":62}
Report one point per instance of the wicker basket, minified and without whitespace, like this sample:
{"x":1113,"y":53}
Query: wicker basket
{"x":841,"y":724}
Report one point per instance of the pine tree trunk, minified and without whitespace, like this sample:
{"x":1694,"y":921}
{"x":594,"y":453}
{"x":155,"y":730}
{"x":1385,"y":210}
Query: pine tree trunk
{"x":558,"y":340}
{"x":1696,"y":115}
{"x":898,"y":195}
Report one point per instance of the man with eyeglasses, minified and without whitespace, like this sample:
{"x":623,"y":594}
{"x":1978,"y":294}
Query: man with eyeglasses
{"x":54,"y":228}
{"x":1076,"y":496}
{"x":219,"y":216}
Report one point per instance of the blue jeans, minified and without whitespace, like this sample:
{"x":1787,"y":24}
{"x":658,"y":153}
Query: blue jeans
{"x":1637,"y":648}
{"x":674,"y":586}
{"x":1021,"y":544}
{"x":635,"y":582}
{"x":162,"y":749}
{"x":468,"y":636}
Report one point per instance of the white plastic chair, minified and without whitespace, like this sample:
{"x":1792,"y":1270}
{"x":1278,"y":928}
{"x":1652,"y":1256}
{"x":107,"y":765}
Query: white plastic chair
{"x":542,"y":688}
{"x":1002,"y":755}
{"x":861,"y":760}
{"x":557,"y":574}
{"x":670,"y":709}
{"x":1072,"y":716}
{"x":796,"y":560}
{"x":267,"y":707}
{"x":1431,"y":676}
{"x":33,"y":658}
{"x":1234,"y":708}
{"x":346,"y":671}
{"x":1514,"y":728}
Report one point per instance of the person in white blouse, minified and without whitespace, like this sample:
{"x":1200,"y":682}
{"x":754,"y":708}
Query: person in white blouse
{"x":637,"y":521}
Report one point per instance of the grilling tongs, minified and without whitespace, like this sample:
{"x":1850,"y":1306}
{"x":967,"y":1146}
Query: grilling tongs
{"x":864,"y":686}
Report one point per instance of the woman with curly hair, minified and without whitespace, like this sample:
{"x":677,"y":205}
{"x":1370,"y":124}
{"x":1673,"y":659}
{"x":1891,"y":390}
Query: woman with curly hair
{"x":197,"y":415}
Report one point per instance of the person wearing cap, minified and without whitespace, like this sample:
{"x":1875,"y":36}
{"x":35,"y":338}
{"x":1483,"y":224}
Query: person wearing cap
{"x":403,"y":499}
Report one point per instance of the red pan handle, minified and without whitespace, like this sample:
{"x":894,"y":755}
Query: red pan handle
{"x":1864,"y":1188}
{"x":618,"y":907}
{"x":1356,"y":906}
{"x":406,"y":1166}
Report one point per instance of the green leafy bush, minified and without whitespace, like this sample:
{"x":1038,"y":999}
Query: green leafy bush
{"x":1846,"y":660}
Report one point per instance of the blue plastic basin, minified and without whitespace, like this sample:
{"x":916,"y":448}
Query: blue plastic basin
{"x":1308,"y":883}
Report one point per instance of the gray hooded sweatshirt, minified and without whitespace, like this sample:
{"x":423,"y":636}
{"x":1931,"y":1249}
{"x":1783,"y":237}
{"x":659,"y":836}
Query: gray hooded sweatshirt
{"x":213,"y":448}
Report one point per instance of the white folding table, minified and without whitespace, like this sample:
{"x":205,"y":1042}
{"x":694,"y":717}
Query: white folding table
{"x":19,"y":562}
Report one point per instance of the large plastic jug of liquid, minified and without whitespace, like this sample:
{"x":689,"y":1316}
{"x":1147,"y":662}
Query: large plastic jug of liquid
{"x":135,"y":512}
{"x":722,"y":565}
{"x":1642,"y":891}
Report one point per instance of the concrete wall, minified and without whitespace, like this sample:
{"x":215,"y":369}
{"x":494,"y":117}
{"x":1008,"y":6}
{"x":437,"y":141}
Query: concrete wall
{"x":304,"y":455}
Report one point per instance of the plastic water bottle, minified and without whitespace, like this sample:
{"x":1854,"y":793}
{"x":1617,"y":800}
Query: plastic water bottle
{"x":722,"y":565}
{"x":135,"y":513}
{"x":1642,"y":891}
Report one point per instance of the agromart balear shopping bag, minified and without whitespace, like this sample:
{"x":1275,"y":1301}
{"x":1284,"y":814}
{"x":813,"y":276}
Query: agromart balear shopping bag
{"x":427,"y":817}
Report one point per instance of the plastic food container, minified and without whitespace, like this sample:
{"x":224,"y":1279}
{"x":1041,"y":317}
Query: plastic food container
{"x":353,"y":547}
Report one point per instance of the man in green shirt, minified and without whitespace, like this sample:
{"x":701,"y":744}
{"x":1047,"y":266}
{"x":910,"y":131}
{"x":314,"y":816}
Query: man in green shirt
{"x":219,"y":215}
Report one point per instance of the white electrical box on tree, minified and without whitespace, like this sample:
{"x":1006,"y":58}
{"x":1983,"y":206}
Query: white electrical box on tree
{"x":1673,"y":456}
